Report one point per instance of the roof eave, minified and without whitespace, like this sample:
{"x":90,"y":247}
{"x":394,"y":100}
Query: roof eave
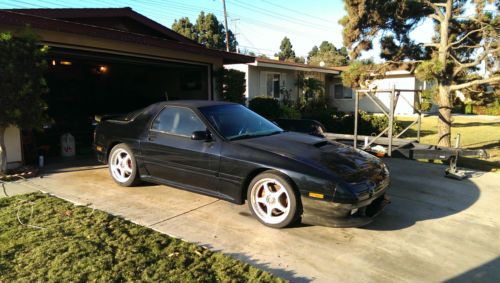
{"x":294,"y":68}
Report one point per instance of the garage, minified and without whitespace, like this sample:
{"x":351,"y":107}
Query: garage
{"x":103,"y":61}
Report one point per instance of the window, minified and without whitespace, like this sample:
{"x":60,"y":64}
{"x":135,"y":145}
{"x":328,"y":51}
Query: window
{"x":235,"y":121}
{"x":178,"y":121}
{"x":273,"y":85}
{"x":342,"y":92}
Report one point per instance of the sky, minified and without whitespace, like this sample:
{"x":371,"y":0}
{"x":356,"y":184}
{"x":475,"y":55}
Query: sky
{"x":259,"y":25}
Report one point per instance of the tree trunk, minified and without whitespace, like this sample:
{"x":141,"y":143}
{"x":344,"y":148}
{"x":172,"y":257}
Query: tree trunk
{"x":444,"y":97}
{"x":3,"y":151}
{"x":444,"y":116}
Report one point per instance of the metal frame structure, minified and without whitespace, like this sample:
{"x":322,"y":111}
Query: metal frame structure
{"x":395,"y":94}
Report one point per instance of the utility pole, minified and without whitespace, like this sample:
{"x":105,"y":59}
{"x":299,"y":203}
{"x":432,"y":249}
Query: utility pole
{"x":225,"y":24}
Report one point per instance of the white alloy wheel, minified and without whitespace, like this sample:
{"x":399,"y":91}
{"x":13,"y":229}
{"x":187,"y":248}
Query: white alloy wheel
{"x":121,"y":165}
{"x":270,"y":201}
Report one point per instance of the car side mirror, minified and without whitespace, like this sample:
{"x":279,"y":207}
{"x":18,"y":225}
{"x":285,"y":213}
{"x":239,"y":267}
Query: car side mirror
{"x":201,"y":136}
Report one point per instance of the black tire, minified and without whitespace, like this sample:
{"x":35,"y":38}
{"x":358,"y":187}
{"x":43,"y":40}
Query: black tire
{"x":131,"y":179}
{"x":293,"y":200}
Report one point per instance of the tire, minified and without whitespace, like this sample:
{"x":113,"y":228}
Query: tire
{"x":123,"y":166}
{"x":273,"y":200}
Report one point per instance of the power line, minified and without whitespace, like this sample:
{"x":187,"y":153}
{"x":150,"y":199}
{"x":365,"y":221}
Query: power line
{"x":297,"y":12}
{"x":282,"y":17}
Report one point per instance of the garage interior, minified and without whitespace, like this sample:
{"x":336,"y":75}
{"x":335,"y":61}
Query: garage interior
{"x":83,"y":84}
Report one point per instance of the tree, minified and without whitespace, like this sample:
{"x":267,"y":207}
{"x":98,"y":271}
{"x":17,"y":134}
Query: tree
{"x":286,"y":50}
{"x":21,"y":85}
{"x":207,"y":31}
{"x":184,"y":27}
{"x":231,"y":85}
{"x":463,"y":40}
{"x":328,"y":54}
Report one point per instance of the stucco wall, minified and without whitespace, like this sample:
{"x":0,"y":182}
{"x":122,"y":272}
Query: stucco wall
{"x":256,"y":79}
{"x":13,"y":145}
{"x":406,"y":82}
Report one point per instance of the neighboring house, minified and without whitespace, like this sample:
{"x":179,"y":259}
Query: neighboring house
{"x":109,"y":60}
{"x":273,"y":78}
{"x":343,"y":97}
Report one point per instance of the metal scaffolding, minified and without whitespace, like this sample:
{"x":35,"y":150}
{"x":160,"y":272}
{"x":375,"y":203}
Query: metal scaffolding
{"x":395,"y":94}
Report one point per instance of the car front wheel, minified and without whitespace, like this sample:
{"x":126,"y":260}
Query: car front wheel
{"x":122,"y":166}
{"x":273,"y":200}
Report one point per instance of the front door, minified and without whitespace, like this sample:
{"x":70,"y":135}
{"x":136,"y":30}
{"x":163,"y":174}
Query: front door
{"x":172,"y":156}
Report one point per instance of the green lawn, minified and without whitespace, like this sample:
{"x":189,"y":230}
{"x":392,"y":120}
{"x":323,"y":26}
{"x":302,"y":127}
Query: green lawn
{"x":476,"y":132}
{"x":78,"y":244}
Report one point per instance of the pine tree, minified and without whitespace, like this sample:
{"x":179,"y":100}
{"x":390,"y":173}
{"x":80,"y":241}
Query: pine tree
{"x":207,"y":31}
{"x":462,"y":42}
{"x":286,"y":50}
{"x":328,"y":54}
{"x":184,"y":27}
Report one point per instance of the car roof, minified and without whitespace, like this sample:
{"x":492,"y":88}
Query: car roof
{"x":194,"y":103}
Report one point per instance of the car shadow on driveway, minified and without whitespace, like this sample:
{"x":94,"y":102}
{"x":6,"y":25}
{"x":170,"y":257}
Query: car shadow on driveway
{"x":421,"y":192}
{"x":488,"y":272}
{"x":283,"y":272}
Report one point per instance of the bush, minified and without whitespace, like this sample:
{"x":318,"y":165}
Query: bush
{"x":231,"y":85}
{"x":468,"y":109}
{"x":288,"y":112}
{"x":266,"y":106}
{"x":342,"y":123}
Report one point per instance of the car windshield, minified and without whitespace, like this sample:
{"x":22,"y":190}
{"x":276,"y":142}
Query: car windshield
{"x":234,"y":121}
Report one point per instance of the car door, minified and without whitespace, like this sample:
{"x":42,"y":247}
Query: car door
{"x":172,"y":156}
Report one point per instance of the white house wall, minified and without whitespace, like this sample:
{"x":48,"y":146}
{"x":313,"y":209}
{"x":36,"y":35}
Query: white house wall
{"x":365,"y":104}
{"x":13,"y":145}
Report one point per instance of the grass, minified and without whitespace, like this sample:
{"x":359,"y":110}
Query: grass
{"x":476,"y":132}
{"x":78,"y":244}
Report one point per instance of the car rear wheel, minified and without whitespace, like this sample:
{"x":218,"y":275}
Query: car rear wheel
{"x":122,"y":166}
{"x":273,"y":200}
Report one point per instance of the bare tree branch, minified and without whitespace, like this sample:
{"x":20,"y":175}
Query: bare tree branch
{"x":475,"y":82}
{"x":478,"y":59}
{"x":435,"y":17}
{"x":440,"y":15}
{"x":464,"y":37}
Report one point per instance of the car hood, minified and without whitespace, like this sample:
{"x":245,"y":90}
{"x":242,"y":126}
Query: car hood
{"x":347,"y":163}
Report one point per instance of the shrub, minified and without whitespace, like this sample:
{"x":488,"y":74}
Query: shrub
{"x":288,"y":112}
{"x":342,"y":123}
{"x":468,"y":109}
{"x":231,"y":85}
{"x":266,"y":106}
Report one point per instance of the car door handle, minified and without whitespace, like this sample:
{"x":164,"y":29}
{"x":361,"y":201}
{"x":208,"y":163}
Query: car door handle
{"x":151,"y":137}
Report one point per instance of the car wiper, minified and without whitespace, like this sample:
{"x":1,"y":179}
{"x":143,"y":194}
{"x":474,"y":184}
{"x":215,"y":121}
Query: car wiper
{"x":274,"y":133}
{"x":246,"y":136}
{"x":243,"y":137}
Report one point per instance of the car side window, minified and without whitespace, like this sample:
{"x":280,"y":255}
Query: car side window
{"x":178,"y":121}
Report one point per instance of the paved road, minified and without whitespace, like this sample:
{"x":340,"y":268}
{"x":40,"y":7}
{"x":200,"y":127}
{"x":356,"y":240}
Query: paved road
{"x":436,"y":229}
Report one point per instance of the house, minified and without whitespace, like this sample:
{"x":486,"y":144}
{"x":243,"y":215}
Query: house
{"x":405,"y":81}
{"x":108,"y":60}
{"x":273,"y":78}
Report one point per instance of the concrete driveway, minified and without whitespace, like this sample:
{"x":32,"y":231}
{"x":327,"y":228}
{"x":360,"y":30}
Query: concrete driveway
{"x":436,"y":229}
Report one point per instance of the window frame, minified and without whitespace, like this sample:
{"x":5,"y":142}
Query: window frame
{"x":281,"y":83}
{"x":174,"y":134}
{"x":343,"y":92}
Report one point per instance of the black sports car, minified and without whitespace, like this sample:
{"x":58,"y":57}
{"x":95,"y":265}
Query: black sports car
{"x":227,"y":151}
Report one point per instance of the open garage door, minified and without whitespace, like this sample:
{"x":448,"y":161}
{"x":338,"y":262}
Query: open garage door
{"x":82,"y":84}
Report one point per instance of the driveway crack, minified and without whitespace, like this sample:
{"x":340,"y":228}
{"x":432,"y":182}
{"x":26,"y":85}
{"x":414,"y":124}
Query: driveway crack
{"x":183,"y":213}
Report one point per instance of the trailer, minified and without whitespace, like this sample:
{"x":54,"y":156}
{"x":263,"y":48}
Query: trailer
{"x":395,"y":147}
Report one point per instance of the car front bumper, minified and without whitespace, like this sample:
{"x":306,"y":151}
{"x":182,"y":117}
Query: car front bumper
{"x":342,"y":215}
